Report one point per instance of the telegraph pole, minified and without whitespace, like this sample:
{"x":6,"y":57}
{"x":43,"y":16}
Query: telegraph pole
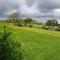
{"x":52,"y":21}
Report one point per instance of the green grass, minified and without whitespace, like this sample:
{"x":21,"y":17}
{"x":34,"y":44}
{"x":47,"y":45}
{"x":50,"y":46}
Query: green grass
{"x":37,"y":26}
{"x":37,"y":44}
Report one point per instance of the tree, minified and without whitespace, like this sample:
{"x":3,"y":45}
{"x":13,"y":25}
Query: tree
{"x":14,"y":17}
{"x":54,"y":23}
{"x":28,"y":21}
{"x":9,"y":50}
{"x":19,"y":22}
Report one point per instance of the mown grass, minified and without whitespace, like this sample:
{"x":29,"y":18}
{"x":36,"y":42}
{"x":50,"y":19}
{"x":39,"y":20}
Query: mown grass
{"x":37,"y":44}
{"x":37,"y":26}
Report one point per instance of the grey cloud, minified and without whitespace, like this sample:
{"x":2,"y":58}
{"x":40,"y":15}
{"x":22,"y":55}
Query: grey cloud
{"x":6,"y":5}
{"x":47,"y":5}
{"x":30,"y":2}
{"x":44,"y":6}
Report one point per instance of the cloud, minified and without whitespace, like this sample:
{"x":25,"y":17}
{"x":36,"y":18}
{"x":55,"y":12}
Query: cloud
{"x":7,"y":5}
{"x":30,"y":8}
{"x":30,"y":2}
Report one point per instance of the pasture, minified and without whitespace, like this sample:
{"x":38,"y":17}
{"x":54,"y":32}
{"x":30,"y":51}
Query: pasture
{"x":37,"y":44}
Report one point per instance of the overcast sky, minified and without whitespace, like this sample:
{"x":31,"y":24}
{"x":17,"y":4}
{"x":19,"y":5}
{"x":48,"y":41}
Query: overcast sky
{"x":39,"y":9}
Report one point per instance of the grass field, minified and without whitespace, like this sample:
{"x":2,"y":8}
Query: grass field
{"x":37,"y":44}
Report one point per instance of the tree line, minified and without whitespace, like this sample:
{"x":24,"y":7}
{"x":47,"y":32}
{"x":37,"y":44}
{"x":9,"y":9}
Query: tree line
{"x":23,"y":22}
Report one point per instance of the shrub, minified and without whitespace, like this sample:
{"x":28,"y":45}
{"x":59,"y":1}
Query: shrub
{"x":43,"y":27}
{"x":9,"y":50}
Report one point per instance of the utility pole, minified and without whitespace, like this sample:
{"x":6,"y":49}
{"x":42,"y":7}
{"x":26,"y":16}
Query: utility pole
{"x":52,"y":21}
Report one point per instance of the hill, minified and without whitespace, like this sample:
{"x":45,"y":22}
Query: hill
{"x":37,"y":44}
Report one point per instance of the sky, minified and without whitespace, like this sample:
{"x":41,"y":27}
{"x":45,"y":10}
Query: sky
{"x":38,"y":9}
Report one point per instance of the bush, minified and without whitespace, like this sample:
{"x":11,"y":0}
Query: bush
{"x":9,"y":50}
{"x":45,"y":27}
{"x":19,"y":24}
{"x":56,"y":29}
